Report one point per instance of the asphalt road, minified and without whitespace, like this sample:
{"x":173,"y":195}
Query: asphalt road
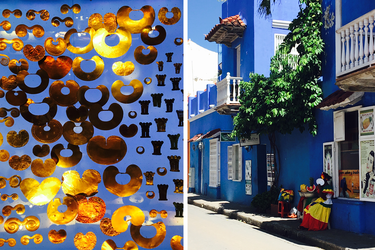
{"x":208,"y":230}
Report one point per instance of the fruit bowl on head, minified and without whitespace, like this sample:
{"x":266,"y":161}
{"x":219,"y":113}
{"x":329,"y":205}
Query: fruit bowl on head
{"x":307,"y":194}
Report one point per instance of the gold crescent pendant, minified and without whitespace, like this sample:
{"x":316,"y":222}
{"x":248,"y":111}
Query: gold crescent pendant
{"x":112,"y":51}
{"x":77,"y":50}
{"x":95,"y":74}
{"x":137,"y":93}
{"x":145,"y":59}
{"x":135,"y":26}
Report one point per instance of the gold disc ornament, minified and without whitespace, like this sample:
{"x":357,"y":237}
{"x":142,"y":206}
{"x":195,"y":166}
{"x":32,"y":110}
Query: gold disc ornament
{"x":135,"y":26}
{"x":123,"y":190}
{"x":118,"y":50}
{"x":88,"y":76}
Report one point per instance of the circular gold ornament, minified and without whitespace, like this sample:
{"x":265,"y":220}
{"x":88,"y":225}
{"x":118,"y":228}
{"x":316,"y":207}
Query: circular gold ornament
{"x":78,"y":138}
{"x":20,"y":163}
{"x":85,"y":242}
{"x":118,"y":222}
{"x":21,"y":30}
{"x":140,"y":150}
{"x":162,"y":15}
{"x":66,"y":162}
{"x":57,"y":237}
{"x":161,"y":171}
{"x":25,"y":240}
{"x":123,"y":69}
{"x":147,"y":80}
{"x":176,"y":243}
{"x":106,"y":151}
{"x":18,"y":140}
{"x":34,"y":54}
{"x":145,"y":59}
{"x":132,"y":114}
{"x":116,"y":110}
{"x":112,"y":51}
{"x":150,"y":194}
{"x":41,"y":169}
{"x":76,"y":8}
{"x":137,"y":93}
{"x":55,"y":50}
{"x":82,"y":50}
{"x":39,"y":119}
{"x":145,"y":35}
{"x":15,"y":68}
{"x":107,"y":228}
{"x":90,"y":210}
{"x":62,"y":99}
{"x":32,"y":90}
{"x":62,"y":218}
{"x":178,"y":41}
{"x":135,"y":26}
{"x":161,"y":232}
{"x":51,"y":135}
{"x":90,"y":76}
{"x":82,"y":98}
{"x":4,"y":155}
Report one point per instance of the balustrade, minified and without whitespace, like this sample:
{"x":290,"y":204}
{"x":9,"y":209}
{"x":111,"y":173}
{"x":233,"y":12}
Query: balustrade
{"x":228,"y":90}
{"x":356,"y":44}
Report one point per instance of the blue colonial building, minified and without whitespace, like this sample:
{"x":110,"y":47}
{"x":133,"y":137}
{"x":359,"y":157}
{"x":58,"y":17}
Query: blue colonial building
{"x":345,"y":144}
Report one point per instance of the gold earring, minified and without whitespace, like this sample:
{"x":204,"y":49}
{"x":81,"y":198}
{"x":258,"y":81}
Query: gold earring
{"x":153,"y":40}
{"x":137,"y":93}
{"x":135,"y":183}
{"x":135,"y":26}
{"x":95,"y":74}
{"x":112,"y":51}
{"x":145,"y":59}
{"x":169,"y":21}
{"x":135,"y":232}
{"x":82,"y":50}
{"x":55,"y":50}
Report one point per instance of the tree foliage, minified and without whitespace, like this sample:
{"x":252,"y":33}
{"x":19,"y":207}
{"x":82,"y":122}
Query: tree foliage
{"x":287,"y":98}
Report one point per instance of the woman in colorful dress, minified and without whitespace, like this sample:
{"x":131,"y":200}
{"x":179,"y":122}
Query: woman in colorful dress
{"x":316,"y":214}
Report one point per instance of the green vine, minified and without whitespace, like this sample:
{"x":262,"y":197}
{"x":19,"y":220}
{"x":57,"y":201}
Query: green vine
{"x":286,"y":100}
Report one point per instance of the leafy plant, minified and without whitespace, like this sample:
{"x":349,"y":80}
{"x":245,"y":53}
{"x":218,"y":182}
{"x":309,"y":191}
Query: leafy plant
{"x":287,"y":98}
{"x":263,"y":201}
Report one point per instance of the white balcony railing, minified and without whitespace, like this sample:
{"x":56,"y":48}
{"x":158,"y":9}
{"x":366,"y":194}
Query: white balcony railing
{"x":356,"y":44}
{"x":228,"y":90}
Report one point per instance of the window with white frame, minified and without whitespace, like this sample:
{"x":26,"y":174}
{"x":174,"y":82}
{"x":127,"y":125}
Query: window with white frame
{"x":278,"y":39}
{"x":235,"y":162}
{"x":238,"y":60}
{"x":214,"y":163}
{"x":347,"y":148}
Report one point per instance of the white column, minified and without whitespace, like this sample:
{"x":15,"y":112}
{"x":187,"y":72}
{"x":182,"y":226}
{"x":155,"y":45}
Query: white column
{"x":356,"y":45}
{"x":360,"y":42}
{"x":366,"y":40}
{"x":347,"y":49}
{"x":342,"y":51}
{"x":371,"y":57}
{"x":228,"y":87}
{"x":338,"y":23}
{"x":351,"y":46}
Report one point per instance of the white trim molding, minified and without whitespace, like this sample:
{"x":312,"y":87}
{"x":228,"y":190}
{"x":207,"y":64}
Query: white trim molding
{"x":279,"y":24}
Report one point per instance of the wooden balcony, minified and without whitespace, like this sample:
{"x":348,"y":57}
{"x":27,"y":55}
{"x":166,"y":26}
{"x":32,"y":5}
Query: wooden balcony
{"x":228,"y":92}
{"x":355,"y":64}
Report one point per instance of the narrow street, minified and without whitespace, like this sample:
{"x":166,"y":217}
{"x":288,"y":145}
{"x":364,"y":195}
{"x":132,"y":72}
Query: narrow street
{"x":208,"y":230}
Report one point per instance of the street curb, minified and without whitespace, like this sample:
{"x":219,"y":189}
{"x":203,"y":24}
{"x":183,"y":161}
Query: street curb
{"x":274,"y":227}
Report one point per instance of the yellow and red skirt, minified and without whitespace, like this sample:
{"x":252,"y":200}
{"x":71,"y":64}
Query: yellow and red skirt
{"x":316,"y":215}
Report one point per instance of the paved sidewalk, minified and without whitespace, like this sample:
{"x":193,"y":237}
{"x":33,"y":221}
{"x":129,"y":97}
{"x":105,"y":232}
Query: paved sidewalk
{"x":329,"y":239}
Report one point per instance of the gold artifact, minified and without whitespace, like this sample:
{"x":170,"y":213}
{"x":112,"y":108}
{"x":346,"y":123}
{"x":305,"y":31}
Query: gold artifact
{"x":77,"y":115}
{"x":82,"y":50}
{"x":132,"y":114}
{"x":110,"y":22}
{"x":8,"y":121}
{"x":69,"y":161}
{"x":145,"y":59}
{"x":39,"y":119}
{"x":14,"y":197}
{"x":7,"y":210}
{"x":145,"y":35}
{"x":162,"y":15}
{"x":76,"y":8}
{"x":32,"y":90}
{"x":148,"y":242}
{"x":11,"y":242}
{"x":116,"y":110}
{"x":14,"y":112}
{"x":41,"y":169}
{"x":60,"y":98}
{"x":15,"y":68}
{"x":103,"y":100}
{"x":140,"y":150}
{"x":20,"y":163}
{"x":90,"y":76}
{"x":150,"y":194}
{"x":78,"y":138}
{"x":123,"y":190}
{"x":50,"y":135}
{"x":178,"y":41}
{"x":44,"y":14}
{"x":123,"y":69}
{"x":8,"y":83}
{"x":55,"y":50}
{"x":147,"y":80}
{"x":137,"y":93}
{"x":161,"y":171}
{"x":17,"y":44}
{"x":163,"y":214}
{"x":112,"y":51}
{"x":62,"y":218}
{"x":16,"y":98}
{"x":12,"y":225}
{"x":56,"y":69}
{"x":106,"y":151}
{"x":85,"y":242}
{"x":21,"y":30}
{"x":38,"y":238}
{"x":176,"y":243}
{"x":57,"y":20}
{"x":137,"y":217}
{"x":6,"y":25}
{"x":17,"y":13}
{"x":41,"y":151}
{"x":4,"y":155}
{"x":90,"y":210}
{"x":14,"y":181}
{"x":34,"y":54}
{"x":128,"y":131}
{"x":73,"y":184}
{"x":57,"y":237}
{"x":4,"y":60}
{"x":40,"y":194}
{"x":107,"y":228}
{"x":135,"y":26}
{"x":17,"y":140}
{"x":111,"y":245}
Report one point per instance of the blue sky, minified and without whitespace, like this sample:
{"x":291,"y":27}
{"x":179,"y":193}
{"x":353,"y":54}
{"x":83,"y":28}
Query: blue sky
{"x":203,"y":15}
